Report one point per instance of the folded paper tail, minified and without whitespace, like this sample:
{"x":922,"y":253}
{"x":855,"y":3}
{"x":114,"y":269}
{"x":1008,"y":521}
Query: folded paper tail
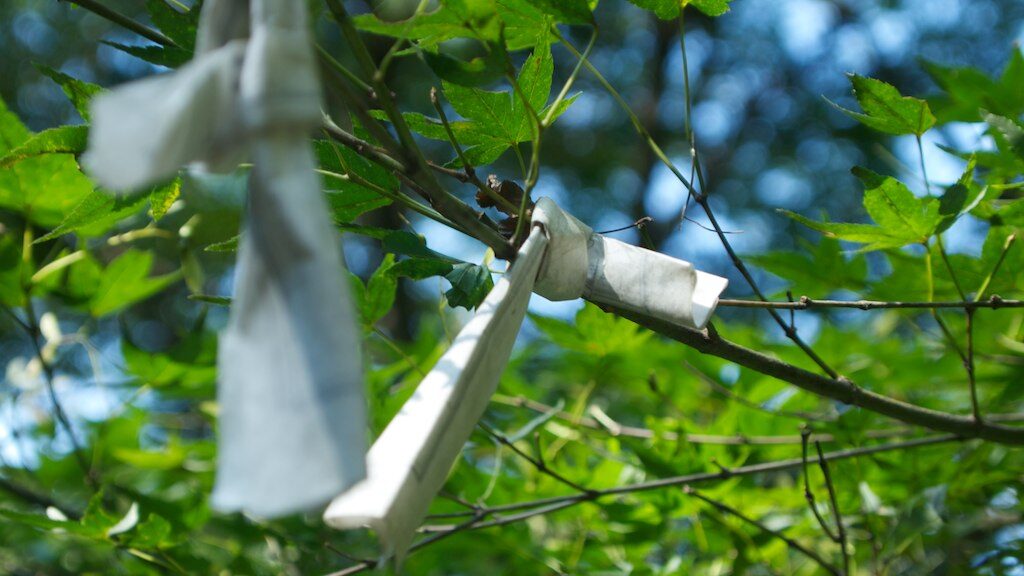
{"x":408,"y":464}
{"x":145,"y":131}
{"x":708,"y":290}
{"x":292,"y":416}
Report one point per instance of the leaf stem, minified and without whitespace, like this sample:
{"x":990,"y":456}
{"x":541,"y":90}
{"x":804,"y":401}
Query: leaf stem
{"x":553,"y":109}
{"x":924,"y":170}
{"x":340,"y":68}
{"x":999,"y":262}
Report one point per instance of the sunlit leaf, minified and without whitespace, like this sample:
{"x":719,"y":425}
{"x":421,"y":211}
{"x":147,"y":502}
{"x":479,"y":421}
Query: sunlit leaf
{"x":886,"y":110}
{"x":126,"y":280}
{"x":78,"y":91}
{"x":60,"y":140}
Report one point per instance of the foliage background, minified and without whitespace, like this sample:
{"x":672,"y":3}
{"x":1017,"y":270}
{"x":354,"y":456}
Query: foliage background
{"x":137,"y":381}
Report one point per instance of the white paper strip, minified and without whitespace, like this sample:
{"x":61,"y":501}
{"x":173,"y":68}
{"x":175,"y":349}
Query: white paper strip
{"x":292,"y":415}
{"x":292,"y":430}
{"x":408,"y":464}
{"x":581,"y":263}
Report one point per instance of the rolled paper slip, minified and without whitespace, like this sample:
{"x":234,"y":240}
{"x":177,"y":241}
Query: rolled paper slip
{"x":290,"y":388}
{"x":583,"y":264}
{"x":408,"y":464}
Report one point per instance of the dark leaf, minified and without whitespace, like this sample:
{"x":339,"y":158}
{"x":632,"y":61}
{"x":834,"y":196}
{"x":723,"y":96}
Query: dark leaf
{"x":470,"y":285}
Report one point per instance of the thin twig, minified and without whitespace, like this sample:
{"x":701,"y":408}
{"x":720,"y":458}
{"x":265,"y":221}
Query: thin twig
{"x":808,"y":493}
{"x":969,"y":319}
{"x":348,"y":556}
{"x":411,"y":155}
{"x":21,"y":323}
{"x":969,"y":365}
{"x":478,"y":517}
{"x":949,"y":267}
{"x":691,"y":137}
{"x":640,"y":223}
{"x":125,"y":22}
{"x":537,"y":463}
{"x":537,"y":127}
{"x":805,"y":303}
{"x":59,"y":413}
{"x":725,"y":508}
{"x":833,"y":498}
{"x":702,"y":477}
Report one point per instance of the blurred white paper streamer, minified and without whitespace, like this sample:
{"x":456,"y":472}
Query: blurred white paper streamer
{"x":408,"y":464}
{"x":292,"y":414}
{"x":613,"y":273}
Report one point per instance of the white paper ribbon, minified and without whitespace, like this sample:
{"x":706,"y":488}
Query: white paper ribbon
{"x":292,"y":415}
{"x":562,"y":259}
{"x":408,"y":464}
{"x":581,"y":263}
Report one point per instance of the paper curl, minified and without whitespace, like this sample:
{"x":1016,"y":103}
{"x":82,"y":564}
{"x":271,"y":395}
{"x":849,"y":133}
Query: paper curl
{"x":583,"y":264}
{"x":145,"y":131}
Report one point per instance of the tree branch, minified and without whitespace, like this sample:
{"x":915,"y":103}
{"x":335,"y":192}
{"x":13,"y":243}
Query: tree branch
{"x":418,"y":168}
{"x":475,"y":225}
{"x":702,"y":477}
{"x":41,"y":500}
{"x":489,"y":517}
{"x":841,"y":389}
